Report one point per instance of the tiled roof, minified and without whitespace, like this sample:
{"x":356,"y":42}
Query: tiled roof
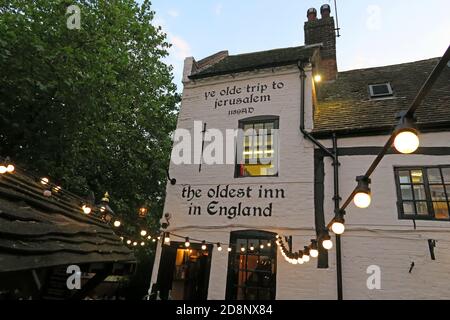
{"x":345,"y":105}
{"x":40,"y":232}
{"x":256,"y":60}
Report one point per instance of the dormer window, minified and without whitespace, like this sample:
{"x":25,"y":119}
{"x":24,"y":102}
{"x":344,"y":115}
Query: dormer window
{"x":380,"y":90}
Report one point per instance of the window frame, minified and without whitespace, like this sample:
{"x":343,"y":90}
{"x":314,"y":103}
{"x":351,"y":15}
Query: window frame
{"x":382,"y":95}
{"x":255,"y":120}
{"x":260,"y":235}
{"x":431,"y":216}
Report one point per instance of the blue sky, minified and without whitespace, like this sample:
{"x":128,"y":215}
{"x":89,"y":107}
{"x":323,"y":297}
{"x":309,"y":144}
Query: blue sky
{"x":373,"y":33}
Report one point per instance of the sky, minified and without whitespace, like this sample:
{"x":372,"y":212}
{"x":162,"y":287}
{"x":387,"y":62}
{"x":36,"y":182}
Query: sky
{"x":373,"y":32}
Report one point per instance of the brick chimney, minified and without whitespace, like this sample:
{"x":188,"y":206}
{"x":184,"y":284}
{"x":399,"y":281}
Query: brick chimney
{"x":323,"y":31}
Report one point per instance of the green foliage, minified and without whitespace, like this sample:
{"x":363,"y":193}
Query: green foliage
{"x":91,"y":108}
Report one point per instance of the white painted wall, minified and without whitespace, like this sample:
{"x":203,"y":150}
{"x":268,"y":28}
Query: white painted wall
{"x":373,"y":236}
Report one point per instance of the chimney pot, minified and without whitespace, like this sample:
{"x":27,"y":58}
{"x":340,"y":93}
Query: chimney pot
{"x":325,"y":11}
{"x":311,"y":14}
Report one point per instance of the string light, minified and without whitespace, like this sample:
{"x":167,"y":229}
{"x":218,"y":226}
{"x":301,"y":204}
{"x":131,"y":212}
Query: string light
{"x":128,"y":241}
{"x":86,"y":209}
{"x":142,"y":243}
{"x":338,"y":226}
{"x":44,"y":181}
{"x":47,"y":193}
{"x":317,"y":78}
{"x":143,"y":233}
{"x":117,"y":223}
{"x":242,"y":248}
{"x":187,"y":243}
{"x":306,"y":253}
{"x":326,"y":241}
{"x":313,"y":252}
{"x":167,"y":238}
{"x":10,"y":168}
{"x":203,"y":245}
{"x":219,"y":247}
{"x":406,"y":135}
{"x":229,"y":249}
{"x":261,"y":246}
{"x":269,"y":244}
{"x":362,"y":196}
{"x":57,"y":189}
{"x":149,"y":237}
{"x":135,"y":243}
{"x":252,"y":247}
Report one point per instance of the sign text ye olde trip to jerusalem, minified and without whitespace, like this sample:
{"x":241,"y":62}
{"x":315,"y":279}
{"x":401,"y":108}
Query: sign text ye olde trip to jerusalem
{"x":233,"y":96}
{"x":223,"y":192}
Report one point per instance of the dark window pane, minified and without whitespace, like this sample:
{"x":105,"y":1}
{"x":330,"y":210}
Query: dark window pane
{"x":434,"y":175}
{"x":437,"y":193}
{"x":417,"y":176}
{"x":440,"y":210}
{"x":422,"y":208}
{"x":408,"y":207}
{"x":404,"y":177}
{"x":419,"y":192}
{"x":406,"y":192}
{"x":446,"y":174}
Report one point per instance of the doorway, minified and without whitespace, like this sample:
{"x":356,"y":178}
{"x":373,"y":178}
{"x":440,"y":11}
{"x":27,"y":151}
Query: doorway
{"x":184,"y":272}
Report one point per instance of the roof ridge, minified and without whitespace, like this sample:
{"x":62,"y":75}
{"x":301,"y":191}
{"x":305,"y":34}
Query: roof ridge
{"x":389,"y":65}
{"x":270,"y":50}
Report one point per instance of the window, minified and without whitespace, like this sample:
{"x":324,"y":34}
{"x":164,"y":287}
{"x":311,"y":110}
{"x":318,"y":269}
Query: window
{"x":423,"y":192}
{"x":252,"y":273}
{"x":257,"y":147}
{"x":380,"y":90}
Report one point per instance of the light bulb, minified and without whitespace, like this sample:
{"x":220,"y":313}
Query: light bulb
{"x":117,"y":223}
{"x":314,"y":253}
{"x":153,"y":240}
{"x":10,"y":168}
{"x":300,"y":261}
{"x":306,"y":258}
{"x":149,"y":237}
{"x":143,"y":233}
{"x":294,"y":261}
{"x":317,"y":78}
{"x":261,"y":246}
{"x":252,"y":247}
{"x":142,"y":243}
{"x":269,"y":244}
{"x":242,"y":249}
{"x":44,"y":181}
{"x":362,"y":199}
{"x":166,"y":239}
{"x":187,"y":243}
{"x":406,"y":142}
{"x":3,"y":169}
{"x":338,"y":227}
{"x":86,"y":209}
{"x":327,"y":244}
{"x":128,"y":241}
{"x":135,"y":243}
{"x":229,"y":249}
{"x":203,"y":246}
{"x":219,"y":247}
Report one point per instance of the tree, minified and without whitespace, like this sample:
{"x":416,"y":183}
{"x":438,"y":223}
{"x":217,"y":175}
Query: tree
{"x":92,"y":108}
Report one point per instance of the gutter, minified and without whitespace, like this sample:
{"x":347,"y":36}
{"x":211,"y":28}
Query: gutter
{"x":334,"y":155}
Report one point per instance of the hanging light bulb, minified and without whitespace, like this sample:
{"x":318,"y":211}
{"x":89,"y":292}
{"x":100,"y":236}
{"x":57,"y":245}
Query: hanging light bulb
{"x":326,"y":241}
{"x":300,"y":257}
{"x":3,"y":169}
{"x":57,"y":189}
{"x":86,"y":209}
{"x":317,"y":78}
{"x":313,"y":252}
{"x":306,"y":254}
{"x":252,"y":247}
{"x":121,"y":238}
{"x":135,"y":243}
{"x":117,"y":223}
{"x":269,"y":244}
{"x":167,"y":238}
{"x":149,"y":237}
{"x":10,"y":168}
{"x":153,"y":240}
{"x":242,"y":248}
{"x":406,"y":135}
{"x":158,"y":237}
{"x":229,"y":249}
{"x":143,"y":233}
{"x":128,"y":241}
{"x":142,"y":243}
{"x":362,"y":196}
{"x":261,"y":246}
{"x":44,"y":181}
{"x":219,"y":247}
{"x":338,"y":226}
{"x":186,"y":242}
{"x":203,"y":245}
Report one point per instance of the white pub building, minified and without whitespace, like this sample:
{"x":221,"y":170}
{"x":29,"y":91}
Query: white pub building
{"x":248,"y":221}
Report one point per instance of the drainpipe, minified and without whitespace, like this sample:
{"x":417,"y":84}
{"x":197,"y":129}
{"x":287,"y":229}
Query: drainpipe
{"x":334,"y":156}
